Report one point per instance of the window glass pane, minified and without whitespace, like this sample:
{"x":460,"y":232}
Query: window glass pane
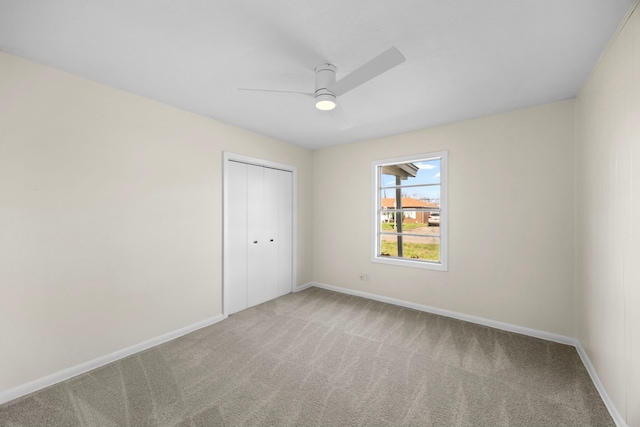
{"x":409,"y":227}
{"x":388,"y":180}
{"x":412,"y":221}
{"x":434,"y":220}
{"x":388,"y":198}
{"x":426,"y":248}
{"x":416,"y":173}
{"x":388,"y":245}
{"x":425,"y":197}
{"x":413,"y":197}
{"x":388,"y":221}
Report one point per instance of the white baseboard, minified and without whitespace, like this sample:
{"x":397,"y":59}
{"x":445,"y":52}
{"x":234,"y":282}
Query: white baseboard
{"x":617,"y":418}
{"x":65,"y":374}
{"x":303,"y":287}
{"x":466,"y":317}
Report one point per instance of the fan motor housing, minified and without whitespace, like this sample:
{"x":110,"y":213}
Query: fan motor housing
{"x":325,"y":77}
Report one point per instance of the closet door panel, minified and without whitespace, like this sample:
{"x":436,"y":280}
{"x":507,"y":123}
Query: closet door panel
{"x":236,"y":273}
{"x":285,"y":232}
{"x":255,"y":228}
{"x":271,"y":233}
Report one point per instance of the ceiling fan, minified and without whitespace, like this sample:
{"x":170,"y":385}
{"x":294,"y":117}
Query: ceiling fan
{"x":327,"y":89}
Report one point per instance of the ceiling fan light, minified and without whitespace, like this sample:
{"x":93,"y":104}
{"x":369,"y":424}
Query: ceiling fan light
{"x":325,"y":102}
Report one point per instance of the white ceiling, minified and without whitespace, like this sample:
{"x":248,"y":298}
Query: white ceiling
{"x":464,"y":58}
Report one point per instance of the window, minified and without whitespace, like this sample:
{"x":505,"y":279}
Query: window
{"x":410,"y":211}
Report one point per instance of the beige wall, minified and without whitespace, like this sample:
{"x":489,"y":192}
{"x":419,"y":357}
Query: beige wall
{"x":511,"y":197}
{"x":608,"y":219}
{"x":110,"y":218}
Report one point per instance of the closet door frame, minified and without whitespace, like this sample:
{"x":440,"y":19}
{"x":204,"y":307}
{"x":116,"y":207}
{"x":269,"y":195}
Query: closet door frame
{"x":234,"y":157}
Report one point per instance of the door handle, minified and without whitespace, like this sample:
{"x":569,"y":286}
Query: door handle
{"x":271,"y":240}
{"x":255,"y":241}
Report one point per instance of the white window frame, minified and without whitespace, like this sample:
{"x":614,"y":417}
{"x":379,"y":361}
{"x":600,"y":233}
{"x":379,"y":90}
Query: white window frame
{"x":441,"y":265}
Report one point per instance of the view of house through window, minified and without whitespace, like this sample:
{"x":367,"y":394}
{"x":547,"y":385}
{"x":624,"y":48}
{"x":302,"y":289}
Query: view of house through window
{"x":410,"y":211}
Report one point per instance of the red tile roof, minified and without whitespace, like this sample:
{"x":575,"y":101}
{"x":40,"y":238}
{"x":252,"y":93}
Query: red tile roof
{"x":407,"y":202}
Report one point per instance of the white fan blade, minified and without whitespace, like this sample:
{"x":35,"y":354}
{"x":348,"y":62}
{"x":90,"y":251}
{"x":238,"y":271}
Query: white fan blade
{"x":340,"y":118}
{"x":277,"y":91}
{"x":378,"y":65}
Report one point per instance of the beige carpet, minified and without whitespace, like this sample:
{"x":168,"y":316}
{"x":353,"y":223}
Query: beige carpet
{"x":319,"y":358}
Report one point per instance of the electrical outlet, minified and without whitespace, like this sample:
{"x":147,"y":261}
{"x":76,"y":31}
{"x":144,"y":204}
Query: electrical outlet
{"x":364,"y":277}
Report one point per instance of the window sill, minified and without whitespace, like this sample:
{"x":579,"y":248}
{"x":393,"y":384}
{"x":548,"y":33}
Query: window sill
{"x":437,"y":266}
